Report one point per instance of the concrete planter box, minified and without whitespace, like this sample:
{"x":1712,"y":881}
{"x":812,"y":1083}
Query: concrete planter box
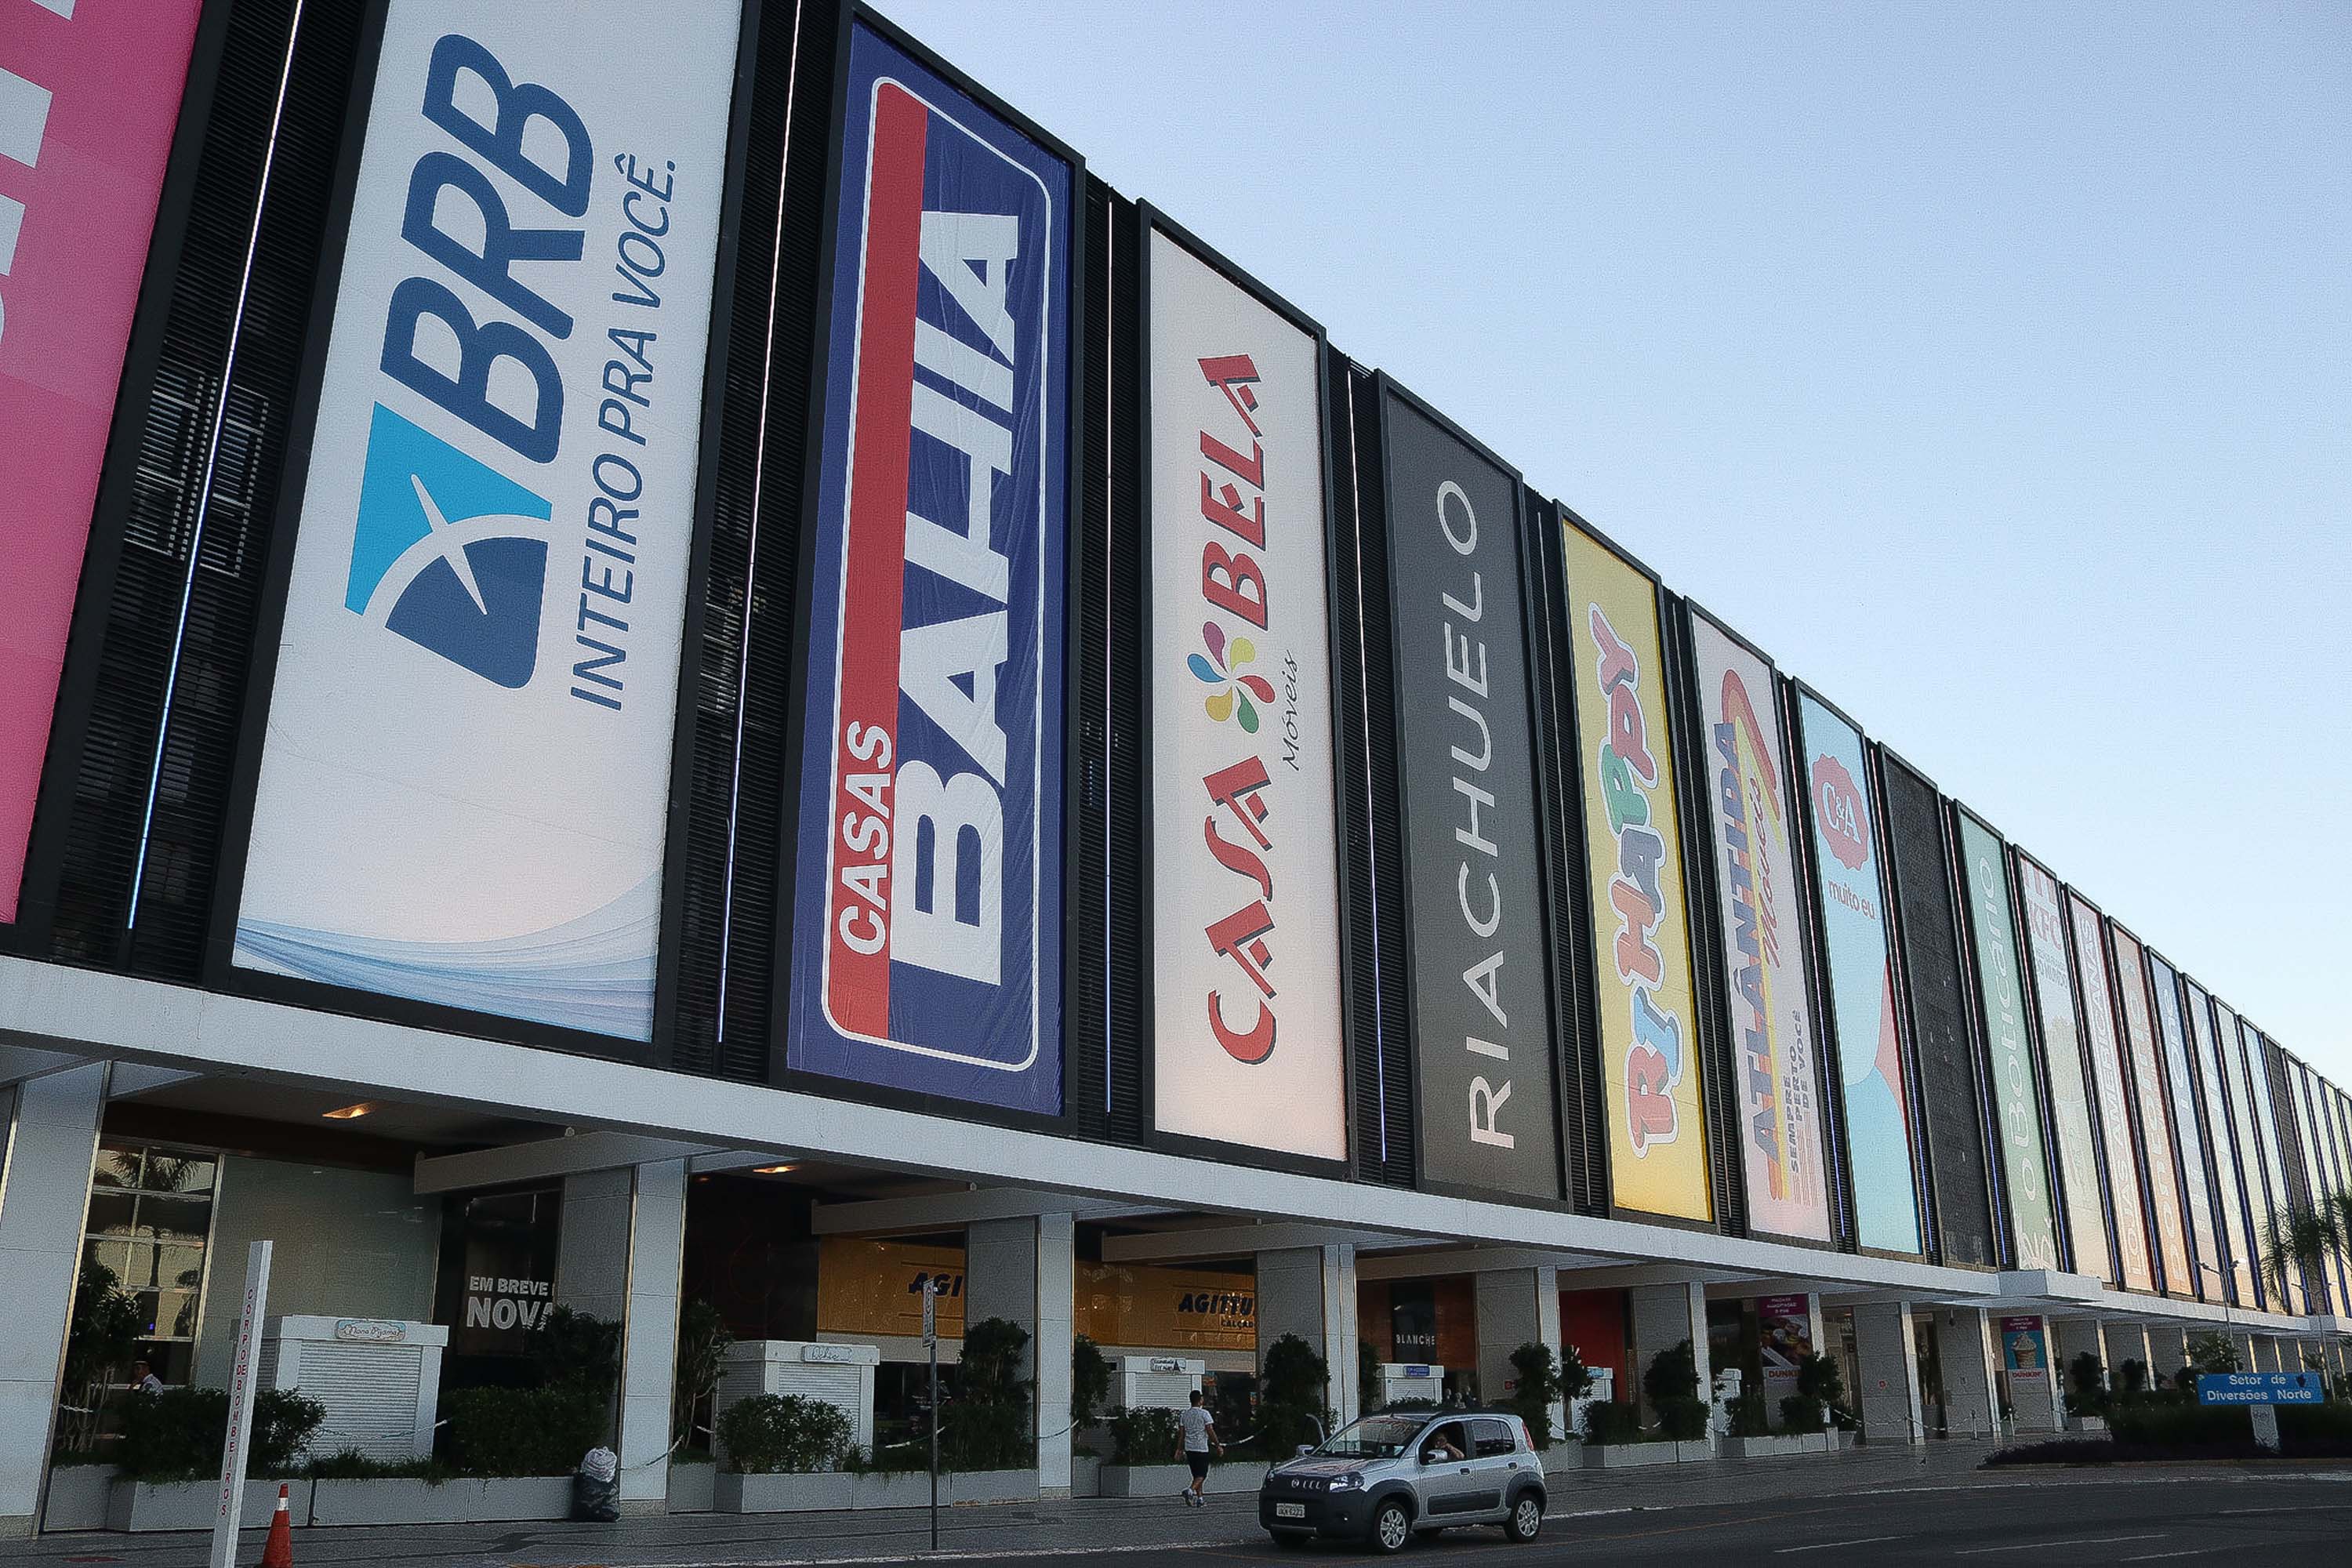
{"x":141,"y":1506}
{"x":1567,"y":1454}
{"x":911,"y":1490}
{"x":989,"y":1486}
{"x":1167,"y":1480}
{"x":2098,"y":1424}
{"x":693,"y":1489}
{"x":1086,"y":1475}
{"x":1846,"y":1440}
{"x":825,"y":1492}
{"x":465,"y":1499}
{"x":78,"y":1497}
{"x":1778,"y":1446}
{"x":1636,"y":1455}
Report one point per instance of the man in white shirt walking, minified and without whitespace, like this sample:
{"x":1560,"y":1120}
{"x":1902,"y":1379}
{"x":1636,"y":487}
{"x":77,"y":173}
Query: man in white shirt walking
{"x":1200,"y":1440}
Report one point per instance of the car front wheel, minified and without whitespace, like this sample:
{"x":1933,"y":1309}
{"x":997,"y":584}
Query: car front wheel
{"x":1391,"y":1527}
{"x":1527,"y":1518}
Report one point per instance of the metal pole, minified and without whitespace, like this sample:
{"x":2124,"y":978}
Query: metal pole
{"x":242,"y":1371}
{"x":931,"y":1343}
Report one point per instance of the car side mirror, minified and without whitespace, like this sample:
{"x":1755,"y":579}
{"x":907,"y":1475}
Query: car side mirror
{"x":1304,"y":1449}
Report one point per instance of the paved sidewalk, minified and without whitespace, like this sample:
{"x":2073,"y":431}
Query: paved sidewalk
{"x":1041,"y":1530}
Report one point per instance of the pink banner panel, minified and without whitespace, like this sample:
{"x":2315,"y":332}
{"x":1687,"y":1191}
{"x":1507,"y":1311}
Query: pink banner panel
{"x":89,"y":94}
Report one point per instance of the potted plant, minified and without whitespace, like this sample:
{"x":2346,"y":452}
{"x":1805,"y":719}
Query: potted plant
{"x":782,"y":1452}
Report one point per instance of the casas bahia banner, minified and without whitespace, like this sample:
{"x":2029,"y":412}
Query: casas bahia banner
{"x":926,"y":943}
{"x":1750,"y":800}
{"x":1248,"y":1042}
{"x":1641,"y":937}
{"x":464,"y":786}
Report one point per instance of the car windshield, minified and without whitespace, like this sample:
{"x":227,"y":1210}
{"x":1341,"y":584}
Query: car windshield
{"x":1373,"y":1437}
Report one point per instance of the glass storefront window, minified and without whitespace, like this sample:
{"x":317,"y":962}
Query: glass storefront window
{"x":151,"y":1217}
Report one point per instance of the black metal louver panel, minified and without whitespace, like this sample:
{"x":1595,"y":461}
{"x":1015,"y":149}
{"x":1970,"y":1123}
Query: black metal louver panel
{"x":1086,"y":1071}
{"x":1576,"y":1052}
{"x":1123,"y":893}
{"x":726,"y":945}
{"x":1951,"y":1099}
{"x":204,"y":497}
{"x":1377,"y":1026}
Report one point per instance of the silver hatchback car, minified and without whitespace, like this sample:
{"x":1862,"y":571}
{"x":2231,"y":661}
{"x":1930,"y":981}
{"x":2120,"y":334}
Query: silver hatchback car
{"x":1386,"y":1478}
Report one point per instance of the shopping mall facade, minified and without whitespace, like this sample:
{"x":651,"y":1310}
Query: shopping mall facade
{"x":1050,"y":777}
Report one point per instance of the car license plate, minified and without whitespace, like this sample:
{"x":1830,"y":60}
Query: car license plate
{"x":1290,"y":1511}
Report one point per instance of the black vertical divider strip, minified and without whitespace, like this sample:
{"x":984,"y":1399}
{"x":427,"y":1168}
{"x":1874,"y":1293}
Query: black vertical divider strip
{"x":1576,"y":1057}
{"x":743,"y":608}
{"x":1086,"y":1069}
{"x":1385,"y":1144}
{"x":1123,"y":894}
{"x":174,"y":438}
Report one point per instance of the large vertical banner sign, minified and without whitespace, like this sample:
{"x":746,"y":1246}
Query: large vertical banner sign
{"x":2155,"y":1117}
{"x":1749,"y":805}
{"x":89,"y":96}
{"x":926,"y":930}
{"x":2109,"y":1073}
{"x":2261,"y":1098}
{"x":1841,"y":818}
{"x":2061,"y":1064}
{"x":2228,"y":1197}
{"x":2000,"y":994}
{"x":1245,"y":865}
{"x":466,"y":781}
{"x":1481,"y":1000}
{"x":2253,"y":1166}
{"x":2188,"y":1137}
{"x":1642,"y":956}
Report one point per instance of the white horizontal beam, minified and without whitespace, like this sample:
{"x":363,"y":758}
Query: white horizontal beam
{"x":49,"y":1007}
{"x":956,"y":1207}
{"x":543,"y":1159}
{"x":18,"y":1063}
{"x":1236,"y":1241}
{"x":1431,"y":1264}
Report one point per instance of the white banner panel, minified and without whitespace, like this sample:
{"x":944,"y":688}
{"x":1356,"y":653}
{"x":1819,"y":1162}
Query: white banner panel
{"x":1245,"y":895}
{"x":467,"y":772}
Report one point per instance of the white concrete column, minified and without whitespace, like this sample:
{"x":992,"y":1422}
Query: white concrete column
{"x":1025,"y":1270}
{"x":1664,"y":1316}
{"x":649,"y":1339}
{"x":44,"y":1192}
{"x":2039,"y":1403}
{"x":1516,"y":1307}
{"x":1886,"y":1344}
{"x":621,"y":1256}
{"x":2168,"y":1353}
{"x":1964,"y":1345}
{"x":2070,"y":1337}
{"x":1310,"y":1291}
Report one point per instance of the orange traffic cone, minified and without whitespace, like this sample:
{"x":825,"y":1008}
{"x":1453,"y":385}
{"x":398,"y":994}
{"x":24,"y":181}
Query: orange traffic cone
{"x":279,"y":1550}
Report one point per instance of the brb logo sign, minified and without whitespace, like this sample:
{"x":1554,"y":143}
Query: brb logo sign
{"x":930,"y":822}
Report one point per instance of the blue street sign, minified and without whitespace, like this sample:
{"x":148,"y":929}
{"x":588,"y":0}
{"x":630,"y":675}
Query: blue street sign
{"x":2261,"y":1388}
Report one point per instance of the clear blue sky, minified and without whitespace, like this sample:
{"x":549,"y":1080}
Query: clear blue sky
{"x":1989,"y":365}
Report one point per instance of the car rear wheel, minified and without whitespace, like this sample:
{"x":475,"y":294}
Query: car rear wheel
{"x":1527,"y":1518}
{"x":1391,"y":1527}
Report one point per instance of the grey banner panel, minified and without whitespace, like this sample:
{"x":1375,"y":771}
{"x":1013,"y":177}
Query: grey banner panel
{"x":1950,"y":1096}
{"x":1482,"y":1012}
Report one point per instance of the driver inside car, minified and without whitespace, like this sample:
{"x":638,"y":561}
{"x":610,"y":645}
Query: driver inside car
{"x":1445,"y":1444}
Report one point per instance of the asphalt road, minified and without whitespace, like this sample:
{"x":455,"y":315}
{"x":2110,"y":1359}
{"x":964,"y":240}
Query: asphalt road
{"x":2279,"y":1523}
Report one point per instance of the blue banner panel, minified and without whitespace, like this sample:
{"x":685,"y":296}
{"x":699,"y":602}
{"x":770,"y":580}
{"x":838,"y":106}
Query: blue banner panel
{"x":927,"y":906}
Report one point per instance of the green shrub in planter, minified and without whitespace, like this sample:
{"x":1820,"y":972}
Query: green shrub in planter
{"x":1673,"y":1374}
{"x":1683,"y":1420}
{"x":1090,"y":1378}
{"x":1606,"y":1423}
{"x":1145,"y":1437}
{"x":1290,"y":1409}
{"x":784,"y":1434}
{"x":523,"y":1431}
{"x":351,"y":1465}
{"x":2173,"y":1426}
{"x":888,"y":1460}
{"x":1798,"y":1414}
{"x":1749,"y":1416}
{"x":176,"y":1436}
{"x":2318,"y":1431}
{"x":1537,"y":1386}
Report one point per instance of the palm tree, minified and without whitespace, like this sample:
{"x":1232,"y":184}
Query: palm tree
{"x":2301,"y":1239}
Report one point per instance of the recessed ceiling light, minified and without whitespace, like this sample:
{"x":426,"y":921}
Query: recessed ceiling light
{"x":772,"y":1170}
{"x":349,"y":1112}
